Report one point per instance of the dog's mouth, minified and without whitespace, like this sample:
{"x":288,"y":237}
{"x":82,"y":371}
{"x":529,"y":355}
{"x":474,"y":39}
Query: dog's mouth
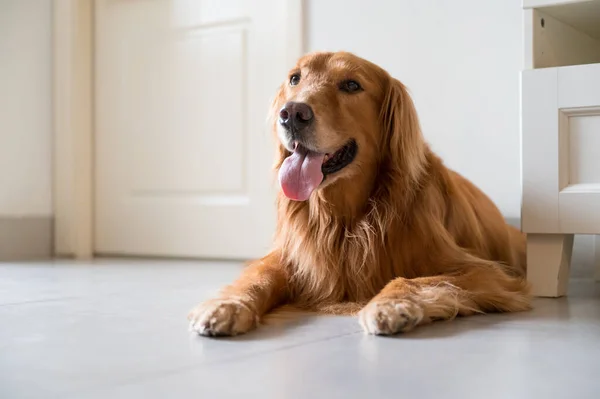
{"x":304,"y":170}
{"x":340,"y":159}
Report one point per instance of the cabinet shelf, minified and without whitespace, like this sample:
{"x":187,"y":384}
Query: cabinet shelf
{"x":560,"y":33}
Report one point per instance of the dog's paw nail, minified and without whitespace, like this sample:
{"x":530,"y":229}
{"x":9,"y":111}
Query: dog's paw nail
{"x":387,"y":317}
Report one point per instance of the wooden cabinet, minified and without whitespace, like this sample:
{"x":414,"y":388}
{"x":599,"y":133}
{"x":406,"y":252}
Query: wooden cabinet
{"x":560,"y":121}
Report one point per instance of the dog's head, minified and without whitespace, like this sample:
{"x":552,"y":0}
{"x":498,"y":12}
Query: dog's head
{"x":338,"y":116}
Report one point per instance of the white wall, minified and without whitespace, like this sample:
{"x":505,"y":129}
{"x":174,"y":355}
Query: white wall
{"x":461,"y":60}
{"x":25,"y":108}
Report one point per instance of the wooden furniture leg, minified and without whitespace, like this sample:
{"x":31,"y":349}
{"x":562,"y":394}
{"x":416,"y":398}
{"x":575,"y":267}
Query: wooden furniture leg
{"x":548,"y":263}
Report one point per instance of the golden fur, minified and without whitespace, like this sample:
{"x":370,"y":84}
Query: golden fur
{"x":395,"y":236}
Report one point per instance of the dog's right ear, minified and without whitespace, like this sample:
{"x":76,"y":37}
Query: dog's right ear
{"x":403,"y":143}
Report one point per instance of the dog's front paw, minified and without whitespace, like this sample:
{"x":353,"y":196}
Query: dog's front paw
{"x":390,"y":316}
{"x":222,"y":317}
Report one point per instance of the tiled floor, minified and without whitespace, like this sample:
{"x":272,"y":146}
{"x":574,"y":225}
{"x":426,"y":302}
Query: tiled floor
{"x":118,"y":329}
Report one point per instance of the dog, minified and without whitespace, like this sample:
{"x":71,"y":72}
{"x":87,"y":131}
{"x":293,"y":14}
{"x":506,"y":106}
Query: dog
{"x":370,"y":220}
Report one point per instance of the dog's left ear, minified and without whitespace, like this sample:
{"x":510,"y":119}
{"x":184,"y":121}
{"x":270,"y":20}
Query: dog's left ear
{"x":403,"y":143}
{"x":272,"y":119}
{"x":273,"y":112}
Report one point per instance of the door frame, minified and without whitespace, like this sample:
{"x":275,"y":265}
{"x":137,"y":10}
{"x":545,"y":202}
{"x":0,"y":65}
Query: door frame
{"x":73,"y":177}
{"x":73,"y":118}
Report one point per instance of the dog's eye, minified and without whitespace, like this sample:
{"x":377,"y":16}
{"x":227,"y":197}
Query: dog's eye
{"x":295,"y":79}
{"x":350,"y":86}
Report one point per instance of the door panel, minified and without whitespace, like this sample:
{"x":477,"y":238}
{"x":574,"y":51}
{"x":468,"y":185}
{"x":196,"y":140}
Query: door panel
{"x":561,"y":150}
{"x":183,"y":150}
{"x":183,"y":112}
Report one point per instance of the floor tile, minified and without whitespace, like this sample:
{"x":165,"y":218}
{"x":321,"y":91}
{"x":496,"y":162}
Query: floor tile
{"x":117,"y":329}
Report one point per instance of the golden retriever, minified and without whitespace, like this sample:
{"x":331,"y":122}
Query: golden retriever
{"x":370,"y":221}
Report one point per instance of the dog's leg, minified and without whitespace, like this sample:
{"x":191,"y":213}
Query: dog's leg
{"x":262,"y":286}
{"x":481,"y":287}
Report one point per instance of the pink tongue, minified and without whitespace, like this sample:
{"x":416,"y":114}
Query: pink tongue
{"x":300,"y":174}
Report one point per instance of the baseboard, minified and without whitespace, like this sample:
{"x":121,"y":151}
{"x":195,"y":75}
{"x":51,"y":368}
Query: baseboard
{"x":25,"y":238}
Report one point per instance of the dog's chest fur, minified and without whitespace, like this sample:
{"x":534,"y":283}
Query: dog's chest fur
{"x":331,"y":262}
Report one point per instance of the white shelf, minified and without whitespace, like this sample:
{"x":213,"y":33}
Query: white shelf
{"x":583,"y":15}
{"x":550,"y":3}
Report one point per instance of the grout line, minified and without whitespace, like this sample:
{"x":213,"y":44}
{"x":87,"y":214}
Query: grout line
{"x":34,"y":301}
{"x":158,"y":375}
{"x":283,"y":348}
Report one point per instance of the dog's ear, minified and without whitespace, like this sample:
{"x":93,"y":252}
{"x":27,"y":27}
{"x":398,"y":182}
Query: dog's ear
{"x":403,"y":144}
{"x":273,"y":112}
{"x":272,"y":119}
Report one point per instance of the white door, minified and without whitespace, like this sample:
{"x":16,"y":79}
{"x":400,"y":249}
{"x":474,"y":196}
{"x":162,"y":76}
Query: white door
{"x":183,"y":152}
{"x":561,"y":150}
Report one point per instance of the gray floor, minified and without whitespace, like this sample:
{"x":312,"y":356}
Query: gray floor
{"x":118,"y":329}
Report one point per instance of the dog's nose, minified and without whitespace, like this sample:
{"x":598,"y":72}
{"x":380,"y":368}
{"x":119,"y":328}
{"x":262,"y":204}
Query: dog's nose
{"x":295,"y":115}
